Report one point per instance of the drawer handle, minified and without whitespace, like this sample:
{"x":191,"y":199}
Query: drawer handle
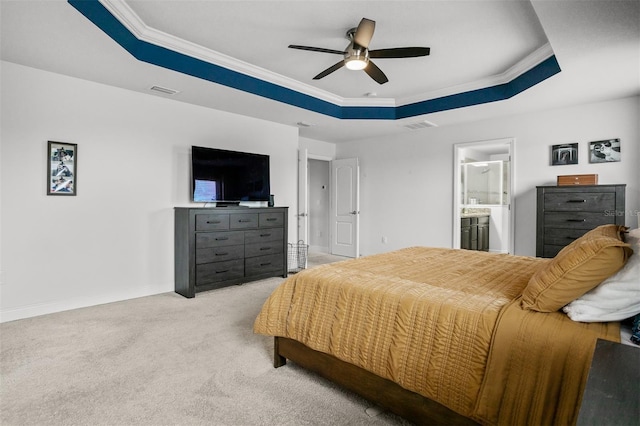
{"x":576,"y":220}
{"x":222,"y":254}
{"x":215,"y":222}
{"x":265,"y":248}
{"x":265,"y":235}
{"x":265,"y":264}
{"x":244,"y":220}
{"x":221,"y":238}
{"x":271,"y":219}
{"x":222,"y":272}
{"x":576,"y":201}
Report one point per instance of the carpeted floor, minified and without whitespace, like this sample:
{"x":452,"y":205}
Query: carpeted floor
{"x":164,"y":360}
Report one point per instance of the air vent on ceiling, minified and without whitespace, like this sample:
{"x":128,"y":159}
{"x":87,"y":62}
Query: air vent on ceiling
{"x":420,"y":125}
{"x":164,"y":90}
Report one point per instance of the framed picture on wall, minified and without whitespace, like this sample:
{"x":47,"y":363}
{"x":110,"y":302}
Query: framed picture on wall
{"x":604,"y":151}
{"x":564,"y":154}
{"x":62,"y":163}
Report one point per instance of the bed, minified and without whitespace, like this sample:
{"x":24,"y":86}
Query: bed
{"x":444,"y":336}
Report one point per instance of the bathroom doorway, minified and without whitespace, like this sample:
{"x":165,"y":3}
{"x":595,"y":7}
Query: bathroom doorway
{"x":483,"y":190}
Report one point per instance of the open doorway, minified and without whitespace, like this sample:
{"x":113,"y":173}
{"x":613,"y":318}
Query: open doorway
{"x":319,"y":181}
{"x":328,"y":204}
{"x":483,"y":207}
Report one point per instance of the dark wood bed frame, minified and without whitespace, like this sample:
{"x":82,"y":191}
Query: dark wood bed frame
{"x":385,"y":393}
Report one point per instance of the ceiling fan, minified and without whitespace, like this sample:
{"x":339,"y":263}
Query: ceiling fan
{"x":357,"y":54}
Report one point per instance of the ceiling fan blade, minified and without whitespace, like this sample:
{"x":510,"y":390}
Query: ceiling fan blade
{"x":316,"y":49}
{"x":329,"y":70}
{"x":375,"y":73}
{"x":400,"y":52}
{"x":364,"y":32}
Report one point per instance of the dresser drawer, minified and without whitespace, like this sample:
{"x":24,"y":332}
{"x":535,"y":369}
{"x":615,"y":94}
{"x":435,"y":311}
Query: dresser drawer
{"x":271,"y":219}
{"x":219,"y":271}
{"x":262,"y":235}
{"x":580,"y":201}
{"x":218,"y":239}
{"x":243,"y":220}
{"x":219,"y":254}
{"x":212,"y":222}
{"x":562,"y":236}
{"x":260,"y":249}
{"x":576,"y":220}
{"x":264,"y":264}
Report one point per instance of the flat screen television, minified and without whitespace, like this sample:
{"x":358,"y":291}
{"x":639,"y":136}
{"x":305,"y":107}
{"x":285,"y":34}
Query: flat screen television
{"x":229,"y":177}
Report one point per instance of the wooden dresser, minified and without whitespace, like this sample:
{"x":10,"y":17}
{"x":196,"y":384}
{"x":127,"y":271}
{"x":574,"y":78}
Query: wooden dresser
{"x":217,"y":247}
{"x":565,"y":213}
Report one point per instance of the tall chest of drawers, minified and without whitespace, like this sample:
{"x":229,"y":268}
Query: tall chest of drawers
{"x":218,"y":247}
{"x":565,"y":213}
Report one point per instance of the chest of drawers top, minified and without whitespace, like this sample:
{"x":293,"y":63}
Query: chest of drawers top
{"x":595,"y":198}
{"x":222,"y":221}
{"x":235,"y":218}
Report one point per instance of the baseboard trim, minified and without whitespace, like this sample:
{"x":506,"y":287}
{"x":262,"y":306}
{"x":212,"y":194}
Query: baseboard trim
{"x":45,"y":308}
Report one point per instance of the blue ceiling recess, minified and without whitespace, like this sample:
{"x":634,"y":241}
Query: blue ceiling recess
{"x":166,"y":58}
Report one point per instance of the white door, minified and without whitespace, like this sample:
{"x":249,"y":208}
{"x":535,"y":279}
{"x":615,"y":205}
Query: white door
{"x":303,"y":196}
{"x":345,"y":207}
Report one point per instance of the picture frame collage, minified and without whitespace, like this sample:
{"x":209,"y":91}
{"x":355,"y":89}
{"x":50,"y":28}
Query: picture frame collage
{"x":601,"y":151}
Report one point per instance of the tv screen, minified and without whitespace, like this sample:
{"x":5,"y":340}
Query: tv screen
{"x":219,"y":175}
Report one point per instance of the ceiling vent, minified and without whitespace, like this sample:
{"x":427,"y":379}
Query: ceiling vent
{"x":420,"y":125}
{"x":164,"y":90}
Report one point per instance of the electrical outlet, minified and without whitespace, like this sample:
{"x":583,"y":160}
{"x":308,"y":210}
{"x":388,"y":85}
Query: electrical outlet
{"x":384,"y":240}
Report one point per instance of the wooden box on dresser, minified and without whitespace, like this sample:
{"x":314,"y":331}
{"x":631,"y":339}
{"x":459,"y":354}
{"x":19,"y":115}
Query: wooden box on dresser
{"x":218,"y":247}
{"x":565,"y":213}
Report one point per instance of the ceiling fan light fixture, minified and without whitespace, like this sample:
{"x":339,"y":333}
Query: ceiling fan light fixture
{"x":356,"y":63}
{"x":356,"y":58}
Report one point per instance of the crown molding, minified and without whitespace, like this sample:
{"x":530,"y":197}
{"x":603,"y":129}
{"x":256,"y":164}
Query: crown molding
{"x":531,"y":61}
{"x":159,"y":48}
{"x":127,"y":17}
{"x":123,"y":12}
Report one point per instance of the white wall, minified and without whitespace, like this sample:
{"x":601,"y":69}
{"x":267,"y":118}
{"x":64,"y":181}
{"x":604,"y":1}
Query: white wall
{"x":114,"y":240}
{"x":318,"y":149}
{"x":406,"y":183}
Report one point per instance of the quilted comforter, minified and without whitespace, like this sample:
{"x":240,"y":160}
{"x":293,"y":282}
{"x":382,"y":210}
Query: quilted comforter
{"x":446,"y":324}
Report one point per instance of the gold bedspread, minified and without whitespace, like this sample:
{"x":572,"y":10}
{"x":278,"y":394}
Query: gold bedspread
{"x":421,"y":317}
{"x":538,"y":367}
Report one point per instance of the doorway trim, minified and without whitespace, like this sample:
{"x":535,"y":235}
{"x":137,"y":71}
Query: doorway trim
{"x":510,"y":144}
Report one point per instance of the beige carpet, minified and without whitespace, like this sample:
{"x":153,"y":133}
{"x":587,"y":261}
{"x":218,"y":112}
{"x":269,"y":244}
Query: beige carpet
{"x":164,"y":360}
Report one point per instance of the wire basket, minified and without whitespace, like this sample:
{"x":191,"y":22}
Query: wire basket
{"x":297,"y":257}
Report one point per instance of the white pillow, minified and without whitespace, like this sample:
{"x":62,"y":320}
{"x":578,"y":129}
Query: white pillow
{"x":617,"y":297}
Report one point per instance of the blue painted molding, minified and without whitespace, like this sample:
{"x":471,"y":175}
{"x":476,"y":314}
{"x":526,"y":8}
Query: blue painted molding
{"x":169,"y":59}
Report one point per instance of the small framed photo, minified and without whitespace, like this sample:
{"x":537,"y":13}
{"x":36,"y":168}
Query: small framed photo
{"x":564,"y":154}
{"x":605,"y":151}
{"x":62,"y":163}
